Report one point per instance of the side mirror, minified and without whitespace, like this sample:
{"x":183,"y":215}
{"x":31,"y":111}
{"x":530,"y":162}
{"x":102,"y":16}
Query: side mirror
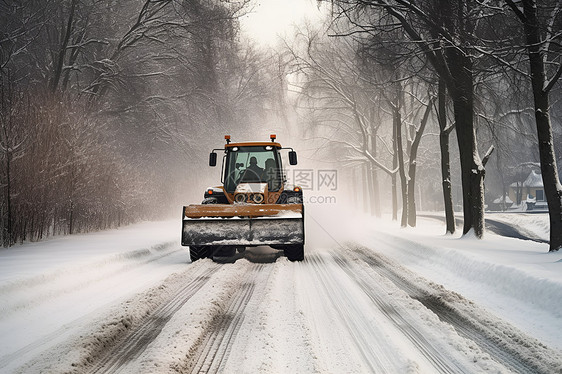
{"x":292,"y":157}
{"x":213,"y":159}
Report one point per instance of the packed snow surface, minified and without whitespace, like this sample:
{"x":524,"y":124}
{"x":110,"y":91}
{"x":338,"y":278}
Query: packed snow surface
{"x":369,"y":297}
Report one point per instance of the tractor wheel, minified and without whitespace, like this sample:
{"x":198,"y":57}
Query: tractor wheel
{"x":295,"y":252}
{"x":223,"y":251}
{"x":197,"y":252}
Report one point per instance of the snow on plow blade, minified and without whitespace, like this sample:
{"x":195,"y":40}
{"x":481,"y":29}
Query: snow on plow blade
{"x":259,"y":224}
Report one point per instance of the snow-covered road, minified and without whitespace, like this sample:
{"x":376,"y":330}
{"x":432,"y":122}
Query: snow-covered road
{"x":351,"y":307}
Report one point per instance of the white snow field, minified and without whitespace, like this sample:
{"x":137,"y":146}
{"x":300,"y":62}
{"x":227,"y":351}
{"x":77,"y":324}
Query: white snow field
{"x":370,"y":297}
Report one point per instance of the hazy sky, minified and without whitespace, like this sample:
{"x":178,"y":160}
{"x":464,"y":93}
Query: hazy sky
{"x":275,"y":17}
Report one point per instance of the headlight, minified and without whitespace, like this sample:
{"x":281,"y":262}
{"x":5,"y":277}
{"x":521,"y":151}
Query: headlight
{"x":258,"y":198}
{"x":240,"y":198}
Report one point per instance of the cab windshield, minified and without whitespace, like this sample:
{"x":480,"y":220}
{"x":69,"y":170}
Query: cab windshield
{"x":253,"y":164}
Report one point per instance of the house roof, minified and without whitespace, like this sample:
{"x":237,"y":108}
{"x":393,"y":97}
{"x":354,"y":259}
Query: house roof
{"x":533,"y":180}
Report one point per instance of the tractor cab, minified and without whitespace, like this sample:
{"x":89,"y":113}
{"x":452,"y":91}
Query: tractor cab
{"x":252,"y":166}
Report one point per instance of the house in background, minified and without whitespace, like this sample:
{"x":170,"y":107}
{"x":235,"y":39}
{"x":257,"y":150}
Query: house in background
{"x":500,"y":204}
{"x":529,"y":195}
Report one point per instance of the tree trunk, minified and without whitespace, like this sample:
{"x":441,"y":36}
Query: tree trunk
{"x":393,"y":177}
{"x":411,"y":196}
{"x":369,"y":170}
{"x":71,"y":218}
{"x":366,"y":189}
{"x":397,"y":118}
{"x":445,"y":160}
{"x":8,"y":227}
{"x":472,"y":170}
{"x":63,"y":48}
{"x":414,"y":146}
{"x":375,"y":193}
{"x":7,"y":217}
{"x":551,"y":181}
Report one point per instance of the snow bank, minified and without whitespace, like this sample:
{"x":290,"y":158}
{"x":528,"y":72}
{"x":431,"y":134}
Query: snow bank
{"x":31,"y":259}
{"x":519,"y":280}
{"x":67,"y":280}
{"x":536,"y":224}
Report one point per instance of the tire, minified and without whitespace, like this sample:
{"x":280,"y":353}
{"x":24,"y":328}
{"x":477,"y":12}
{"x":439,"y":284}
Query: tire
{"x":295,"y":252}
{"x":223,"y":251}
{"x":197,"y":252}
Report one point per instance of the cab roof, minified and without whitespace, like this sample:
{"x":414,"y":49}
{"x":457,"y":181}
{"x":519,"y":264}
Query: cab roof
{"x":252,"y":144}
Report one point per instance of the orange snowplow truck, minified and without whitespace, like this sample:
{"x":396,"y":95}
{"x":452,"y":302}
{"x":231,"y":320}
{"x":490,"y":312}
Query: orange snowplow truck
{"x":253,"y":206}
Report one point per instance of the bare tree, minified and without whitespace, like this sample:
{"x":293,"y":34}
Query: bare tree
{"x":443,"y":32}
{"x":352,"y":94}
{"x":343,"y":103}
{"x":444,"y":132}
{"x":542,"y":33}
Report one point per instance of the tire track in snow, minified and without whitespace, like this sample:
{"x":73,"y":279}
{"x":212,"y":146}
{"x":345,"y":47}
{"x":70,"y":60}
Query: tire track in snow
{"x":138,"y":339}
{"x":30,"y":293}
{"x":381,"y":359}
{"x":511,"y":348}
{"x":212,"y":353}
{"x":440,"y":361}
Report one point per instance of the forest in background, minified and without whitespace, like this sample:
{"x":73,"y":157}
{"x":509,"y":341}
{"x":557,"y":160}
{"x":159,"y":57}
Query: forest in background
{"x":449,"y":88}
{"x":108,"y":108}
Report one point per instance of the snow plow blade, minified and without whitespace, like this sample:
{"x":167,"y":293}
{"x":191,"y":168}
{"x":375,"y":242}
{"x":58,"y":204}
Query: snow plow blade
{"x":243,"y":225}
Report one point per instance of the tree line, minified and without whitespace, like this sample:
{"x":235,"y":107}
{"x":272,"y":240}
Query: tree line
{"x":484,"y":71}
{"x":107,"y":107}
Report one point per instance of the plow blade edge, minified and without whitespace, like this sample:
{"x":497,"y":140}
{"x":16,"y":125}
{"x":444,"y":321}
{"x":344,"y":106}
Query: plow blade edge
{"x":247,"y":225}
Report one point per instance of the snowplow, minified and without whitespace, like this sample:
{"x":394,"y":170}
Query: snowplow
{"x":254,"y":206}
